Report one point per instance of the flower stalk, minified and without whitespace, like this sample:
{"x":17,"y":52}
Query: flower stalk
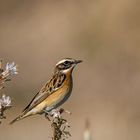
{"x":59,"y":124}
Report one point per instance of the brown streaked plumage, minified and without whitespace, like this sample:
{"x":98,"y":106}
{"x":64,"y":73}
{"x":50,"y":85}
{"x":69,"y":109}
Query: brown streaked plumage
{"x":55,"y":92}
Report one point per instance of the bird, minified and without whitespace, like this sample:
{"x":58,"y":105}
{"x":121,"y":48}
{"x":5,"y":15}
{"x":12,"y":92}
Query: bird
{"x":54,"y":93}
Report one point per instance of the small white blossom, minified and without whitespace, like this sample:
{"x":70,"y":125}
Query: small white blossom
{"x":5,"y":101}
{"x":10,"y":69}
{"x":55,"y":113}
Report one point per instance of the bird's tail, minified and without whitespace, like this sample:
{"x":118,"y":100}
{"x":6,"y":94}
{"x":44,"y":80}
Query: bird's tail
{"x":20,"y":117}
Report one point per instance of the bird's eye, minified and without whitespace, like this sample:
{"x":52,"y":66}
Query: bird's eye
{"x":66,"y":62}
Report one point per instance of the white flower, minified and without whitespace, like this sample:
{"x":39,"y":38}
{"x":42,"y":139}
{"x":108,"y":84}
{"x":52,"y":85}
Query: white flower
{"x":11,"y":68}
{"x":5,"y":101}
{"x":55,"y":113}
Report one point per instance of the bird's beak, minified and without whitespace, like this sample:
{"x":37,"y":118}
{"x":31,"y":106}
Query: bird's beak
{"x":78,"y":61}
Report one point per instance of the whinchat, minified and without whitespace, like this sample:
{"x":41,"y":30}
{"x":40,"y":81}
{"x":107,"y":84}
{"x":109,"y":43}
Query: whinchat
{"x":55,"y":92}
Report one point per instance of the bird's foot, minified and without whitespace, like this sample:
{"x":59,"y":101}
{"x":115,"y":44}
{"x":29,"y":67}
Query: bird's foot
{"x":47,"y":117}
{"x":61,"y":110}
{"x":55,"y":113}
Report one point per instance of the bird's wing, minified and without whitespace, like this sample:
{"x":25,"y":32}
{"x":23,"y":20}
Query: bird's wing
{"x":49,"y":88}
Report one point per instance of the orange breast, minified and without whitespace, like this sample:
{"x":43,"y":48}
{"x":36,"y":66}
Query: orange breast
{"x":57,"y":96}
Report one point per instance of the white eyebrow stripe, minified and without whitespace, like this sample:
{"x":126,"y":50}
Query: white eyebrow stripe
{"x":61,"y":61}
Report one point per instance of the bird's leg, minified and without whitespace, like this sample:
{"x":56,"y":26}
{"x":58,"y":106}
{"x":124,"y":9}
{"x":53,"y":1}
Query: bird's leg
{"x":46,"y":115}
{"x":55,"y":113}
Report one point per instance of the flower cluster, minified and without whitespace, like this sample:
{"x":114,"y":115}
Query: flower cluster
{"x":5,"y":101}
{"x":10,"y":69}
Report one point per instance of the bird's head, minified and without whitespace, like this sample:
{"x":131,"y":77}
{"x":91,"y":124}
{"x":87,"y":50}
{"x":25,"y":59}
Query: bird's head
{"x":66,"y":65}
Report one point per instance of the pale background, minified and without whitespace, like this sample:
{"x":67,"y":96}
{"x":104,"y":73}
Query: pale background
{"x":104,"y":34}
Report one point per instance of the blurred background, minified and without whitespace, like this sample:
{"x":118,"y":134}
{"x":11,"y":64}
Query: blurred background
{"x":104,"y":34}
